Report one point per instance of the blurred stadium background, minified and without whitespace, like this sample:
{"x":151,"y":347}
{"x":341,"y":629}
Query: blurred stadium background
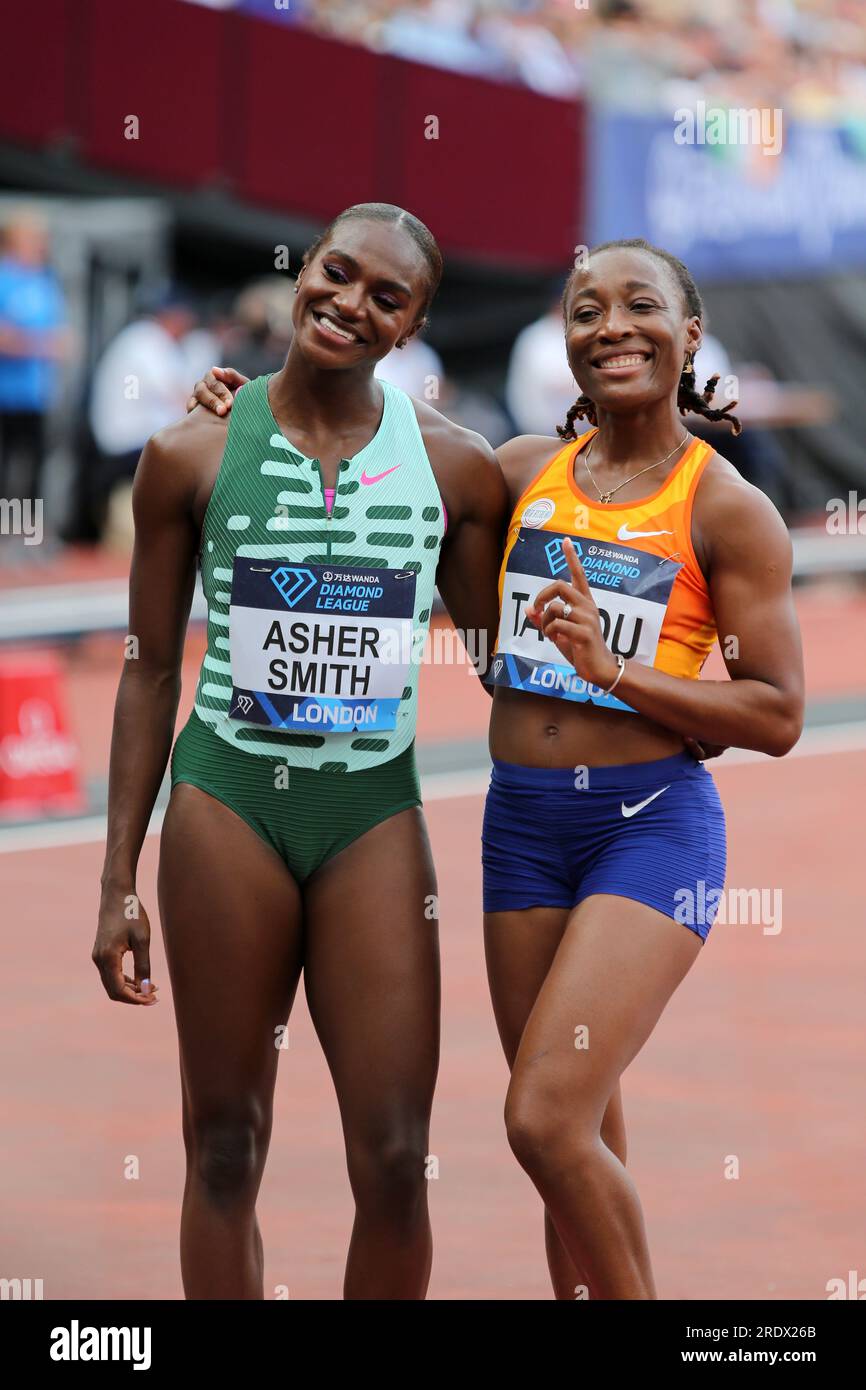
{"x":163,"y":166}
{"x":161,"y":177}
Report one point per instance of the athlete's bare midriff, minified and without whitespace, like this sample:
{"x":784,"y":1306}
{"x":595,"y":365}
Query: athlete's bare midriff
{"x":542,"y":731}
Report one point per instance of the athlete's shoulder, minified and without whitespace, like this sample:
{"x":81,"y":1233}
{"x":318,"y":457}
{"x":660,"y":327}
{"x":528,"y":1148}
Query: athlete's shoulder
{"x":731,"y":515}
{"x":464,"y":465}
{"x":724,"y":494}
{"x":445,"y":438}
{"x":201,"y":429}
{"x":180,"y":456}
{"x":522,"y":459}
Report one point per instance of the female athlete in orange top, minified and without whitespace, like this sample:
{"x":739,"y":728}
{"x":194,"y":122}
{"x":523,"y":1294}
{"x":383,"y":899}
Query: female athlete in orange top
{"x":601,"y":832}
{"x":630,"y":549}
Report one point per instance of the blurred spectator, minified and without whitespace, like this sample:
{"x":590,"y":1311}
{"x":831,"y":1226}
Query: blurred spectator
{"x":441,"y":33}
{"x":257,"y":340}
{"x":33,"y":339}
{"x":711,"y":359}
{"x":141,"y":383}
{"x":625,"y":67}
{"x":756,"y":453}
{"x":474,"y":410}
{"x":539,"y":387}
{"x":807,"y":56}
{"x":199,"y":347}
{"x":416,"y":368}
{"x":534,"y":51}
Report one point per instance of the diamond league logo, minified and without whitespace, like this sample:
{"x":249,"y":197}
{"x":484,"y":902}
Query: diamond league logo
{"x":556,"y":557}
{"x":292,"y":583}
{"x":497,"y":665}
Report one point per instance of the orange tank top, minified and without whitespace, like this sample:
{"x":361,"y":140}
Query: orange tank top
{"x":640,"y":564}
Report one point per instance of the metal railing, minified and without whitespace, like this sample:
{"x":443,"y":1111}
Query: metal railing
{"x":56,"y":612}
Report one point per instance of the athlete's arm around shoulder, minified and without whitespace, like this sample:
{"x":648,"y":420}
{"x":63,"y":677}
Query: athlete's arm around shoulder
{"x":475,"y":496}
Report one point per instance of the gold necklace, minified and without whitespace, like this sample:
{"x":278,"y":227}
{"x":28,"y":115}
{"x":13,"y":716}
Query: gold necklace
{"x":606,"y":496}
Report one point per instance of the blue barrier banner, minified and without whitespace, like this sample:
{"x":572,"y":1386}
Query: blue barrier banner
{"x":735,"y":194}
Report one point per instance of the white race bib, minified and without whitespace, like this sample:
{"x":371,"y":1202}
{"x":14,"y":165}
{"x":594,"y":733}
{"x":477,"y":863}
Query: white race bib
{"x":631,"y":589}
{"x":319,"y":648}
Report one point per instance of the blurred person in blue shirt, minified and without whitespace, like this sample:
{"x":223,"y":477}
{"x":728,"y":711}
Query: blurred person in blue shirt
{"x":33,"y":339}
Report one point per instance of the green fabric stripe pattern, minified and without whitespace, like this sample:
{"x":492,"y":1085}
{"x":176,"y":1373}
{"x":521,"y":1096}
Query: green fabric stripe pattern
{"x":268,"y":503}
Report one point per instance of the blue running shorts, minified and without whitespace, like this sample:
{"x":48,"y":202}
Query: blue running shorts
{"x":653,"y":832}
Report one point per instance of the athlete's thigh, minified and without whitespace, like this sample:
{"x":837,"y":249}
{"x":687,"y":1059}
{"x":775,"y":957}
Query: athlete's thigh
{"x":519,"y":948}
{"x":616,"y":967}
{"x":371,"y":970}
{"x":231,"y":921}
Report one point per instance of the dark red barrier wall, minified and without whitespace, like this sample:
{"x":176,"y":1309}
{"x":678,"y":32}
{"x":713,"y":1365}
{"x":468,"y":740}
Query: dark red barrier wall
{"x":159,"y":61}
{"x":34,"y":69}
{"x":501,"y":176}
{"x":289,"y":120}
{"x":310,"y":131}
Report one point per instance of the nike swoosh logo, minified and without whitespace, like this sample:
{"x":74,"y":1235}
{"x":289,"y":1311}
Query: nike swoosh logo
{"x":624,"y":534}
{"x":378,"y":476}
{"x":633,"y":810}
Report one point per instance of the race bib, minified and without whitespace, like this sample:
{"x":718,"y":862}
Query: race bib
{"x":318,"y":648}
{"x":631,"y":589}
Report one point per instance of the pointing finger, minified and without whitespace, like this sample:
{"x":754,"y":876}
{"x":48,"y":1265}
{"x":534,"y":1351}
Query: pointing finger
{"x":576,"y":568}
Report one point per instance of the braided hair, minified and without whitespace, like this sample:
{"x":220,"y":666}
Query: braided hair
{"x":398,"y":217}
{"x":688,"y":397}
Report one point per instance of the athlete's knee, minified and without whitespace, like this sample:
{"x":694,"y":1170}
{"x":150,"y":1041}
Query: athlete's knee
{"x":227,"y":1152}
{"x":388,"y":1172}
{"x":530,"y":1126}
{"x":547,"y":1128}
{"x":613,"y":1132}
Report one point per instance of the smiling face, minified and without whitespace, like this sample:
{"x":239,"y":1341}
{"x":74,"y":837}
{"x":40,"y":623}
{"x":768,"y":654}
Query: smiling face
{"x":627,"y":330}
{"x":361,"y":292}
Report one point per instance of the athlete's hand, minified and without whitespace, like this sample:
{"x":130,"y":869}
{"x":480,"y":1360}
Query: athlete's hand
{"x":215,"y":391}
{"x":117,"y":932}
{"x":578,"y":636}
{"x":702,"y":751}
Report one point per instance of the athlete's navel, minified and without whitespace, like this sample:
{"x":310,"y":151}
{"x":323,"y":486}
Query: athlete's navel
{"x":552,"y":730}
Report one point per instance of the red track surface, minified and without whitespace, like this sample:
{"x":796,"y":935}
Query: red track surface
{"x":759,"y":1055}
